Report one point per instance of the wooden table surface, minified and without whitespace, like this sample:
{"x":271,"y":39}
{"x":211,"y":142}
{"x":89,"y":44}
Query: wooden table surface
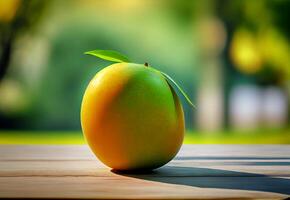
{"x":198,"y":171}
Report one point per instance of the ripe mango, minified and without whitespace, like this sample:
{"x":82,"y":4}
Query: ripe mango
{"x":132,"y":118}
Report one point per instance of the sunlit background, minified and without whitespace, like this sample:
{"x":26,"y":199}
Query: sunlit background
{"x":231,"y":57}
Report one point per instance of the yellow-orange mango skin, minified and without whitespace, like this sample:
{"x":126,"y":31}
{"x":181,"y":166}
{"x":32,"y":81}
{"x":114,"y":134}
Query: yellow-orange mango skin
{"x":131,"y":117}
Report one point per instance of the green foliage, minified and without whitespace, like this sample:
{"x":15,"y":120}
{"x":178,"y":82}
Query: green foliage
{"x":109,"y":55}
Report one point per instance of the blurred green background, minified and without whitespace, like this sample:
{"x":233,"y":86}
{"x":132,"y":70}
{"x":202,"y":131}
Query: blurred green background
{"x":230,"y":56}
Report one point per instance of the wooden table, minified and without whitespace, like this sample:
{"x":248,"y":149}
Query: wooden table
{"x":198,"y":171}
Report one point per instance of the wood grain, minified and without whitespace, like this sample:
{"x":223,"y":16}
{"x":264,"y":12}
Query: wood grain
{"x":198,"y":172}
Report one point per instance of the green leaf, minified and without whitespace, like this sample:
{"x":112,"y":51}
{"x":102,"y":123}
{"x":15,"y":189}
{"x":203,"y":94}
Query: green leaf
{"x":108,"y":55}
{"x":179,"y":88}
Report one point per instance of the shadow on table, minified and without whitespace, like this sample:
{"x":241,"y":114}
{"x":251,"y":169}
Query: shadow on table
{"x":229,"y":158}
{"x":214,"y":178}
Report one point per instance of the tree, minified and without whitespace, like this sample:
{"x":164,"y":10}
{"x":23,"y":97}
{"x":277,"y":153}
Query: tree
{"x":16,"y":18}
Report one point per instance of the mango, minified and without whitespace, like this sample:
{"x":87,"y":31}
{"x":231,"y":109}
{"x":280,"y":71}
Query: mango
{"x":132,"y":118}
